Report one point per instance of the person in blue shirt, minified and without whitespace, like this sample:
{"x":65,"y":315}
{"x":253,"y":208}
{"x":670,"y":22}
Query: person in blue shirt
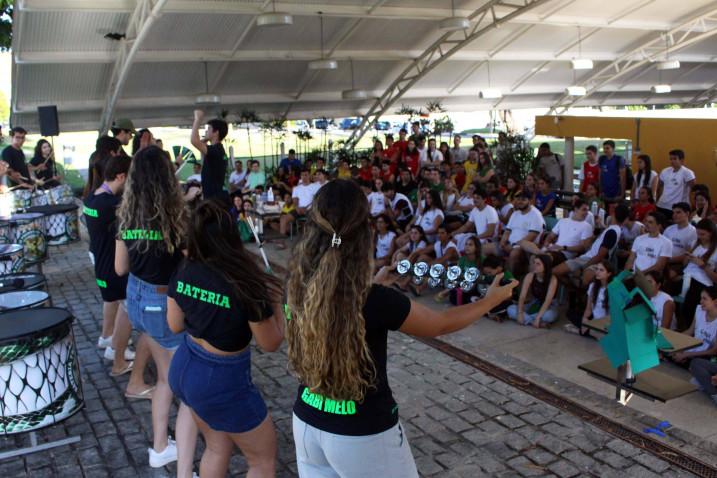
{"x":291,"y":161}
{"x":545,"y":198}
{"x":612,"y":173}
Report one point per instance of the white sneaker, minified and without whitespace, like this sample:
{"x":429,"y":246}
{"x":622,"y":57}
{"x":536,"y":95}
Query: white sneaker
{"x":110,"y":354}
{"x":104,"y":342}
{"x":168,"y":455}
{"x":696,"y":383}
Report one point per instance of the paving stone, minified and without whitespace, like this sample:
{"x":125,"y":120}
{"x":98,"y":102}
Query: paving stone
{"x":469,"y":425}
{"x":652,"y":462}
{"x":612,"y":459}
{"x":525,"y":467}
{"x":539,"y":456}
{"x":563,"y":469}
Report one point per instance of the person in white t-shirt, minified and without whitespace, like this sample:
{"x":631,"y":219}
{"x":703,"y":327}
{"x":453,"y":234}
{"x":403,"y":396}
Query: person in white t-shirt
{"x":400,"y":209}
{"x":662,"y":301}
{"x":704,"y":327}
{"x":458,"y":154}
{"x":597,"y":304}
{"x":578,"y":272}
{"x":525,"y":224}
{"x":482,"y":223}
{"x":376,"y":200}
{"x":385,"y":242}
{"x":650,"y":251}
{"x":675,"y":183}
{"x":699,"y":270}
{"x":302,"y":195}
{"x":237,"y":177}
{"x":570,"y":237}
{"x":429,"y":215}
{"x":683,"y":236}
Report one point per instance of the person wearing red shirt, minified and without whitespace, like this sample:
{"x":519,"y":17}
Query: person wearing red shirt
{"x":402,"y":143}
{"x":392,"y":151}
{"x":386,"y":172}
{"x":365,"y":170}
{"x":590,"y":172}
{"x":645,"y":204}
{"x":411,"y":158}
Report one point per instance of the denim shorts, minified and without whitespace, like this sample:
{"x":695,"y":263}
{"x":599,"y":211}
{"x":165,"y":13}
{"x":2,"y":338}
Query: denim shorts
{"x":217,"y":388}
{"x":147,"y":311}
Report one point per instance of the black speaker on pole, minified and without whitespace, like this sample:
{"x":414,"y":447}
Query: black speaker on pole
{"x":49,"y":126}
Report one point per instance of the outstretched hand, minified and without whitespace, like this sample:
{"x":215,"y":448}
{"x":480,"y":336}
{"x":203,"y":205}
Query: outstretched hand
{"x":500,"y":293}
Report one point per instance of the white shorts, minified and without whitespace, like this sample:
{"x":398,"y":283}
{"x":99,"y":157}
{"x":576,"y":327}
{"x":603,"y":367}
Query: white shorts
{"x":320,"y":454}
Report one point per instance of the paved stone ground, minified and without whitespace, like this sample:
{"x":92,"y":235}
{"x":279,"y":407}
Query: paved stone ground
{"x":460,"y":422}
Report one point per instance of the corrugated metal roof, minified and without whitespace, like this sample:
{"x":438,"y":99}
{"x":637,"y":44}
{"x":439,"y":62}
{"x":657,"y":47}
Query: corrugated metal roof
{"x":62,"y":58}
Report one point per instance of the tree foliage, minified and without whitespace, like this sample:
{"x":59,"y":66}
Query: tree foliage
{"x":5,"y":24}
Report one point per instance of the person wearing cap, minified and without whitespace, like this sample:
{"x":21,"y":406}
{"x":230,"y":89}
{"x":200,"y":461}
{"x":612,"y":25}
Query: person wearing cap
{"x":197,"y":169}
{"x":123,"y":130}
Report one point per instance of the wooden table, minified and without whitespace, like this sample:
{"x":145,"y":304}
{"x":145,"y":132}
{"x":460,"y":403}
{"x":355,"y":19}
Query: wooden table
{"x":651,"y":384}
{"x":679,"y":341}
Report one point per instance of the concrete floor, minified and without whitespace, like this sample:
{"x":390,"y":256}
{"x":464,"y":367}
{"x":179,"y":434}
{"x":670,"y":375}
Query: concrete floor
{"x":559,"y":353}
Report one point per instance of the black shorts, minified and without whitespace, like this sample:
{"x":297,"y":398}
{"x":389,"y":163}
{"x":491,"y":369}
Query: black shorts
{"x":112,"y":288}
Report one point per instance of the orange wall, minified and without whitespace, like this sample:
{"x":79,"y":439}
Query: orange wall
{"x":696,"y":137}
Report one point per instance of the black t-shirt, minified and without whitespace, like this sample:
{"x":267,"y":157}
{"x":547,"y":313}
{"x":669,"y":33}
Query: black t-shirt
{"x":47,"y":173}
{"x":385,"y":309}
{"x":406,"y":189}
{"x":154,"y":265}
{"x":100,"y":211}
{"x":15,"y":158}
{"x":213,"y":171}
{"x":211,"y":309}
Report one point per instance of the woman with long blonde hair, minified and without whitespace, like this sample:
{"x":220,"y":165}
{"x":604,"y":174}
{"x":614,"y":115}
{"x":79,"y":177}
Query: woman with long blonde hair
{"x":337,"y":334}
{"x":152,"y":226}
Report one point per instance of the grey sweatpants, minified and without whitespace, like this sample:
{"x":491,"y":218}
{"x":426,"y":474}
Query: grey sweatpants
{"x":321,"y":454}
{"x":703,"y":370}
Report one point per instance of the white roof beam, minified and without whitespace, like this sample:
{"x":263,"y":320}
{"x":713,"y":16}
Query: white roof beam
{"x":161,"y":56}
{"x":141,"y":21}
{"x":698,"y":27}
{"x":341,"y":10}
{"x":484,"y":19}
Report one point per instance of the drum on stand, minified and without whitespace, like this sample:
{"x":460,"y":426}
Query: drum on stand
{"x":22,"y":199}
{"x":12,"y":259}
{"x":61,"y":223}
{"x":61,"y":194}
{"x":23,"y":299}
{"x":39,"y":373}
{"x":22,"y":281}
{"x":28,"y":230}
{"x":39,"y":198}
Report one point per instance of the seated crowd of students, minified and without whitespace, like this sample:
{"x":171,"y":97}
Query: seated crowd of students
{"x":448,"y":205}
{"x":451,"y":212}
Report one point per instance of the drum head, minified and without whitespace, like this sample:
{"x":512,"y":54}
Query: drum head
{"x":11,"y":282}
{"x":22,"y":299}
{"x":20,"y":323}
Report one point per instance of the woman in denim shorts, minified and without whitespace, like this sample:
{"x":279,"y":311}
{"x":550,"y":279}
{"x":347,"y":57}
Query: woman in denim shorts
{"x":345,"y":418}
{"x":151,"y":228}
{"x":222,"y":298}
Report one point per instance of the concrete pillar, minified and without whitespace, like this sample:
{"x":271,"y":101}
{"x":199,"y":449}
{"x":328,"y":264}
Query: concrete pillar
{"x":569,"y":160}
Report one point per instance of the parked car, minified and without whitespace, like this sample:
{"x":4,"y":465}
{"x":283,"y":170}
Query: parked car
{"x":322,"y":123}
{"x":382,"y":125}
{"x":350,"y":123}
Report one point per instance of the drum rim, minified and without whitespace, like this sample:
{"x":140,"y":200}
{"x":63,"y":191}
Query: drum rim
{"x":69,"y":317}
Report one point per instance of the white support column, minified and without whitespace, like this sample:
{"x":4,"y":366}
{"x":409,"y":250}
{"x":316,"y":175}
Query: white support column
{"x":145,"y":14}
{"x":569,"y":161}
